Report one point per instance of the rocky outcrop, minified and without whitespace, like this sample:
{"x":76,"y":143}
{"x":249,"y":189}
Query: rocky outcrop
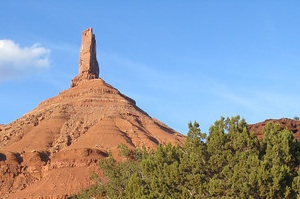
{"x":292,"y":125}
{"x":51,"y":151}
{"x":41,"y":174}
{"x":88,"y":64}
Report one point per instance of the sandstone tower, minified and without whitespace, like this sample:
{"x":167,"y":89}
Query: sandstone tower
{"x":61,"y":140}
{"x":88,"y":64}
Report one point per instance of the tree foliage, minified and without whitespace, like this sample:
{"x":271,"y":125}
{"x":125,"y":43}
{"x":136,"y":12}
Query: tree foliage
{"x":230,"y":162}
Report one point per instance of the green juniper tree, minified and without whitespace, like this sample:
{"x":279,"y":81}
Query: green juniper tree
{"x":193,"y":163}
{"x":277,"y":168}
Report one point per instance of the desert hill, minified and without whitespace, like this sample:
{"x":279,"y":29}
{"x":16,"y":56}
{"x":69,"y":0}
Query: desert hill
{"x":51,"y":151}
{"x":292,"y":125}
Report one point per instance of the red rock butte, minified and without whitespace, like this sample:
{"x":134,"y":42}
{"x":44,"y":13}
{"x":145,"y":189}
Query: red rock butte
{"x":51,"y":151}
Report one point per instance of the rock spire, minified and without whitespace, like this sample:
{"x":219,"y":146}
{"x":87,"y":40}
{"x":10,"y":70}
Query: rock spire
{"x":62,"y":140}
{"x":88,"y":64}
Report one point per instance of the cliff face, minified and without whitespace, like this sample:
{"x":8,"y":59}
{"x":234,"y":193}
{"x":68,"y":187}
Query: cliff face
{"x":51,"y":151}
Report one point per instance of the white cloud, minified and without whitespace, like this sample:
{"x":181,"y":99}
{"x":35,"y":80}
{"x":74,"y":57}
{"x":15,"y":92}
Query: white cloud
{"x":16,"y":60}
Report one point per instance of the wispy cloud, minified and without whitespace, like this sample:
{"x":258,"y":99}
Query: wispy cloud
{"x":260,"y":101}
{"x":16,"y":60}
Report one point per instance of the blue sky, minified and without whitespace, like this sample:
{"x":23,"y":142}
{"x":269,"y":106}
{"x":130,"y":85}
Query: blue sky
{"x":180,"y":61}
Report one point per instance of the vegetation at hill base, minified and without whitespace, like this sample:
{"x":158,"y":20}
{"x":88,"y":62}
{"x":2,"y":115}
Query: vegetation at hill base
{"x":230,"y":162}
